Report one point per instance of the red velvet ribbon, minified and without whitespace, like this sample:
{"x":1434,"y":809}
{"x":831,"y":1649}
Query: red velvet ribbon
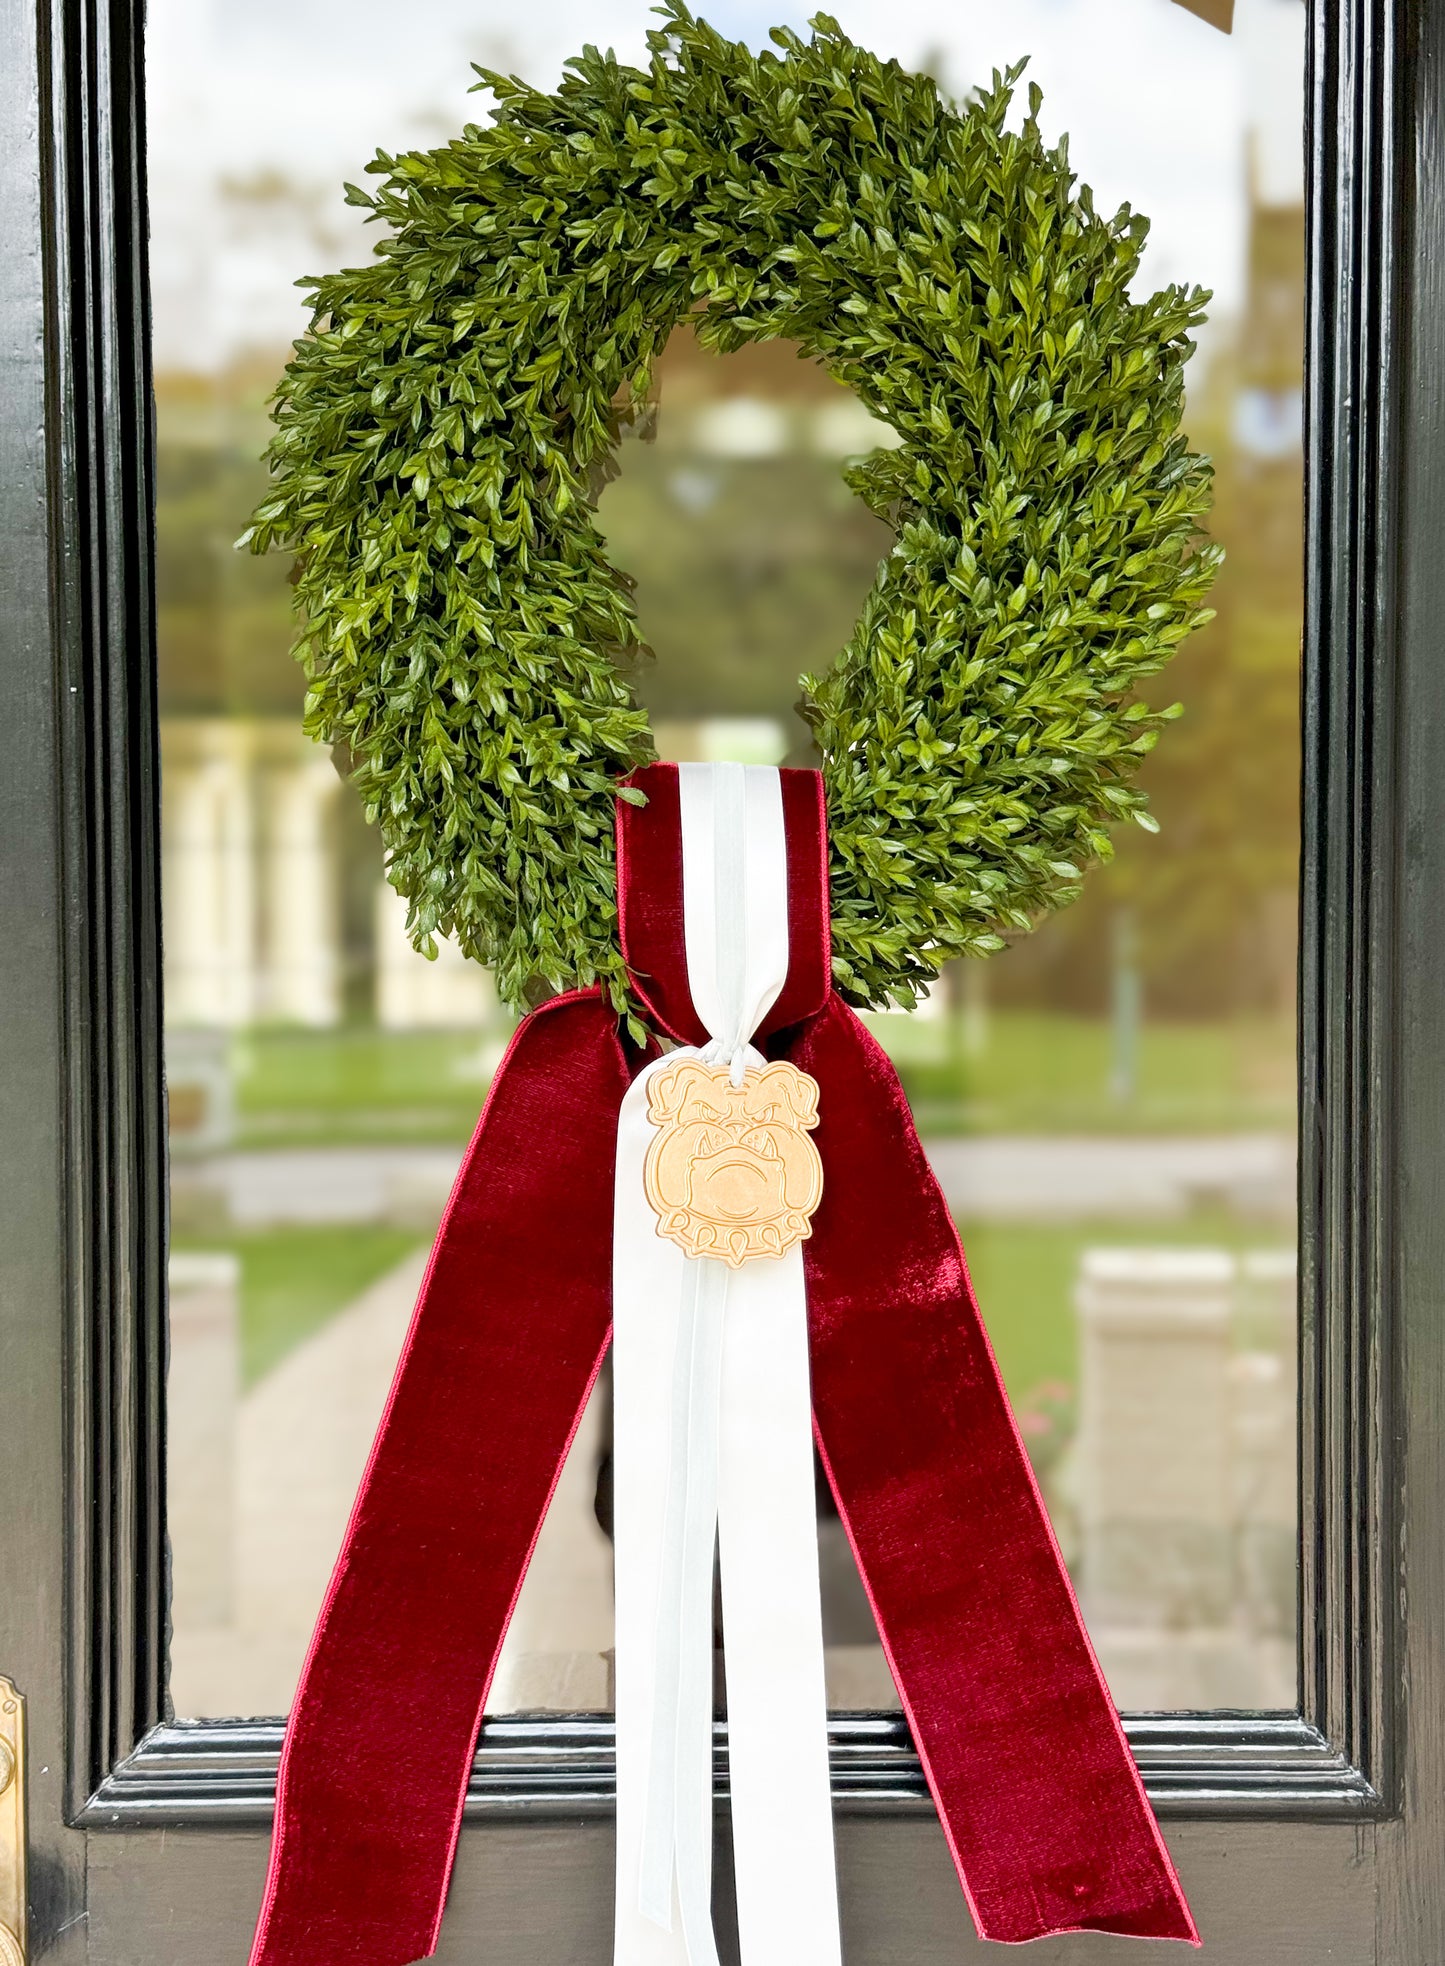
{"x":1037,"y":1792}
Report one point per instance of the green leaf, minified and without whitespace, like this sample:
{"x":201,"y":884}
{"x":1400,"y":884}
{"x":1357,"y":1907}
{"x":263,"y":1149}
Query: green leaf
{"x":454,"y":398}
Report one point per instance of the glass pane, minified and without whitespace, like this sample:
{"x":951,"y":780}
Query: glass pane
{"x":1109,"y":1104}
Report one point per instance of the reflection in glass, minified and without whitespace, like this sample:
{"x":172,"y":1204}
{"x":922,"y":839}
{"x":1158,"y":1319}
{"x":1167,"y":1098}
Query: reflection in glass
{"x":1109,"y":1105}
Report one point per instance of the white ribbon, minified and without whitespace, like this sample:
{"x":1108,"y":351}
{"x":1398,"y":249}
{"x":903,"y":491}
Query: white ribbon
{"x":713,"y":1443}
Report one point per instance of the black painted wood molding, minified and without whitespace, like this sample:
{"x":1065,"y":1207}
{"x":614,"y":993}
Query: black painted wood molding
{"x":101,"y":442}
{"x":1357,"y":196}
{"x":193,"y":1773}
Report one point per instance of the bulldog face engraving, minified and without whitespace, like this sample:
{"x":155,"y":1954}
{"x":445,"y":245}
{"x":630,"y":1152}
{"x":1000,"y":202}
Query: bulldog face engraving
{"x":732,"y":1173}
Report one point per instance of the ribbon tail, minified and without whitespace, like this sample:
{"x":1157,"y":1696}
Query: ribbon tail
{"x":782,"y":1806}
{"x":677,"y":1832}
{"x":508,"y":1335}
{"x":1042,"y":1806}
{"x":665,"y":1366}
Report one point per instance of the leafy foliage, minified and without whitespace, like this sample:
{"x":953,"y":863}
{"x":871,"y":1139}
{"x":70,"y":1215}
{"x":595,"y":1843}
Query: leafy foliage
{"x":445,"y":425}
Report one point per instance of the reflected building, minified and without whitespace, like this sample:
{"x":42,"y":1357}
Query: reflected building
{"x":1165,"y":1374}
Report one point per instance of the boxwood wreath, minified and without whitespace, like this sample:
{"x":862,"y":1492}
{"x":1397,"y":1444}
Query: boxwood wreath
{"x":448,"y":418}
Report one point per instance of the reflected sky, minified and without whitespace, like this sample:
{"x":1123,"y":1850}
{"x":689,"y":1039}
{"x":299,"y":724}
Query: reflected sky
{"x":257,"y":115}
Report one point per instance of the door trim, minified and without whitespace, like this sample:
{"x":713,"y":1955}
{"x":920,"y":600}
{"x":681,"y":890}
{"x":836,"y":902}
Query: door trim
{"x":128,"y":1764}
{"x":560,"y":1767}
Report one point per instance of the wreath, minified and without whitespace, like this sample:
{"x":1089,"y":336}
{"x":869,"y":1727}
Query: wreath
{"x":450,"y":414}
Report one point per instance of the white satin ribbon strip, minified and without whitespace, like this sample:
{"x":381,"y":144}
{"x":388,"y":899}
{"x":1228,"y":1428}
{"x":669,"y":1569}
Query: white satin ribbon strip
{"x":734,"y":897}
{"x":677,"y":1828}
{"x":712,"y":1432}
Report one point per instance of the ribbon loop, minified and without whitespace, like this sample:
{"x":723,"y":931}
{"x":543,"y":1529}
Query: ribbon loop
{"x":735,"y":901}
{"x":650,"y":902}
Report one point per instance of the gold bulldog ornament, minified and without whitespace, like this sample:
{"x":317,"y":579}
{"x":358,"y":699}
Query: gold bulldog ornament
{"x":732,"y":1173}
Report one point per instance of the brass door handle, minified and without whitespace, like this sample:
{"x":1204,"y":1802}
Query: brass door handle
{"x":12,"y":1826}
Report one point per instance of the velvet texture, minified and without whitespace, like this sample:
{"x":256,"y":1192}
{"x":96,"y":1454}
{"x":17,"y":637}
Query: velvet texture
{"x":649,"y":886}
{"x":1036,"y":1789}
{"x":510,"y":1329}
{"x":1035,"y":1786}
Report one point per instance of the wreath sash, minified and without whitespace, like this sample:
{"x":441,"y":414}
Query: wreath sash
{"x":1039,"y":1798}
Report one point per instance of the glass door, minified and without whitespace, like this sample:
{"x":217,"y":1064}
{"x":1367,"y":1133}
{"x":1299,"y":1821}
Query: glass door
{"x":1110,"y":1104}
{"x":1186,"y":1127}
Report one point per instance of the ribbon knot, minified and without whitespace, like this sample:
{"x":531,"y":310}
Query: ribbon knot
{"x":667,"y":950}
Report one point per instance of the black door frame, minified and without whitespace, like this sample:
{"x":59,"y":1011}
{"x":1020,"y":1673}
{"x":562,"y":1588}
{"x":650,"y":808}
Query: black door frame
{"x":82,"y":1177}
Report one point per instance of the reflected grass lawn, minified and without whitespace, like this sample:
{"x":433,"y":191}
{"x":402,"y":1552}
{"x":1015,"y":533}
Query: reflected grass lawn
{"x":1042,"y":1073}
{"x":1025,"y":1273}
{"x":1036,"y":1073}
{"x":294,"y":1280}
{"x":325,"y":1088}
